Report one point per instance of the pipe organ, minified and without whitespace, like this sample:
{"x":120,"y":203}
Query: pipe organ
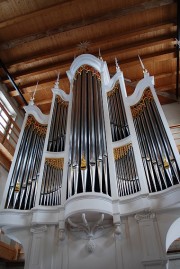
{"x":95,"y":172}
{"x":87,"y":144}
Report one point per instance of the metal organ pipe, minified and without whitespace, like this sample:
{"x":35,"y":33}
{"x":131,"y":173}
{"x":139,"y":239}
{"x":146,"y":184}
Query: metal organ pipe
{"x":158,"y":159}
{"x":88,"y":169}
{"x":127,"y":176}
{"x":57,"y":133}
{"x":119,"y":126}
{"x":22,"y":190}
{"x":52,"y":182}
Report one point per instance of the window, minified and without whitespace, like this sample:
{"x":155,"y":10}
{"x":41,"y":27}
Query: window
{"x":7,"y":117}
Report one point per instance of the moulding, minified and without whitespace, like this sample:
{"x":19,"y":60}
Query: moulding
{"x":36,"y":112}
{"x":38,"y":229}
{"x":91,"y":60}
{"x":62,"y":94}
{"x":162,"y":261}
{"x":118,"y":76}
{"x":88,"y":202}
{"x":17,"y":217}
{"x":165,"y":198}
{"x":147,"y":81}
{"x":50,"y":154}
{"x":122,"y":142}
{"x":143,"y":216}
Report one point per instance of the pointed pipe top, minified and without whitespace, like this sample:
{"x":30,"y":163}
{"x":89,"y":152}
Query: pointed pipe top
{"x":117,"y":65}
{"x":142,"y":65}
{"x":100,"y":56}
{"x":56,"y":85}
{"x":33,"y":95}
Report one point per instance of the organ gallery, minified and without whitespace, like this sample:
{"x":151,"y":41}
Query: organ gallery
{"x":90,"y":171}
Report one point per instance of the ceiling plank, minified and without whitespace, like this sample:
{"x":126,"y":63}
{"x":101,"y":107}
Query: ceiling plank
{"x":133,"y":61}
{"x":168,"y":95}
{"x":109,"y":52}
{"x":97,"y":42}
{"x":86,"y":22}
{"x":37,"y":13}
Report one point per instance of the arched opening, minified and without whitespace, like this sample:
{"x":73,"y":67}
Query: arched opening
{"x":11,"y":253}
{"x":173,"y":245}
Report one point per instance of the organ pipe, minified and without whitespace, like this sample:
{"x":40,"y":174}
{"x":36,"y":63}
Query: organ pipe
{"x":157,"y":155}
{"x":126,"y":171}
{"x":57,"y":135}
{"x":22,"y":189}
{"x":52,"y":182}
{"x":118,"y":119}
{"x":88,"y":165}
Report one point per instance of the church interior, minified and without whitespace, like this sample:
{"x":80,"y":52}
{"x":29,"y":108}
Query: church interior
{"x":89,"y":134}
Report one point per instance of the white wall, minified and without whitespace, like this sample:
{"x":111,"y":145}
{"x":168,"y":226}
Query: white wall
{"x":172,"y":113}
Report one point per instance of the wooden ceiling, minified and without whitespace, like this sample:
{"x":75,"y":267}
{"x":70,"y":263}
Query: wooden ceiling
{"x":40,"y":38}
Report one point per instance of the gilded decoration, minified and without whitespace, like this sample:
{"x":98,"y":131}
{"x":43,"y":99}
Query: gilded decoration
{"x":38,"y":127}
{"x":88,"y":68}
{"x":57,"y":163}
{"x":114,"y":90}
{"x":83,"y":163}
{"x":61,"y":101}
{"x":121,"y":151}
{"x":138,"y":108}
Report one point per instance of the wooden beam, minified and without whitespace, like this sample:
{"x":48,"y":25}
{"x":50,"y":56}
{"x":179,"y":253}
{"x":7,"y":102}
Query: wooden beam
{"x":111,"y":15}
{"x":168,"y":95}
{"x":106,"y":53}
{"x":96,"y":43}
{"x":166,"y":88}
{"x":43,"y":102}
{"x":41,"y":69}
{"x":126,"y":63}
{"x":38,"y":13}
{"x":157,"y":56}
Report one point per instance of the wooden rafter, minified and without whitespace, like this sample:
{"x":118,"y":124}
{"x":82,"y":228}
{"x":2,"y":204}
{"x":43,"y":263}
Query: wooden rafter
{"x":106,"y":53}
{"x":38,"y":13}
{"x":86,"y":22}
{"x":96,"y":43}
